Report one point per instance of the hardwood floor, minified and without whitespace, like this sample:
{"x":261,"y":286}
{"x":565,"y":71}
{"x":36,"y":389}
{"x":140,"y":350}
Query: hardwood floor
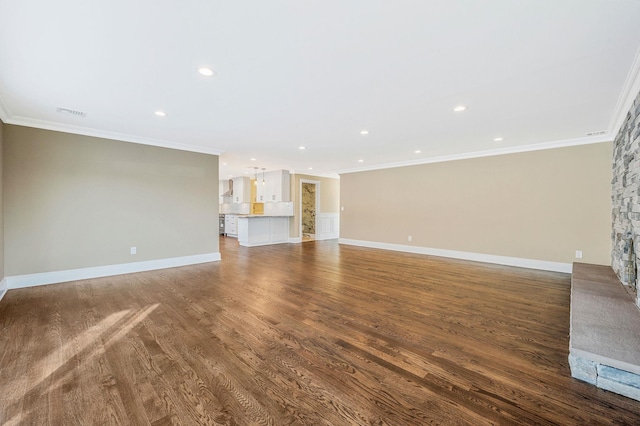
{"x":312,"y":333}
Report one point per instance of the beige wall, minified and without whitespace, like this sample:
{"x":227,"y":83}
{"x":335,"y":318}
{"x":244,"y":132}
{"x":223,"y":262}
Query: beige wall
{"x":541,"y":205}
{"x":74,"y":201}
{"x":329,"y":198}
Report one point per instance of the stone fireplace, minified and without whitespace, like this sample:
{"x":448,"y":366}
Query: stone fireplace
{"x":604,"y":342}
{"x":625,"y":197}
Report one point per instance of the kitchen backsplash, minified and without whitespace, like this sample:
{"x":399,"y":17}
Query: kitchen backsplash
{"x":270,"y":209}
{"x":235,"y":208}
{"x":279,"y":209}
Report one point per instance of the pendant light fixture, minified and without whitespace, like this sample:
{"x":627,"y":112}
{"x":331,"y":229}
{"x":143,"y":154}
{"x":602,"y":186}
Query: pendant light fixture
{"x":263,"y":175}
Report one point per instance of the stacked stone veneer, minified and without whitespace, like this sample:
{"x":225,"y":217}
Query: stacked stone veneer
{"x":626,"y":194}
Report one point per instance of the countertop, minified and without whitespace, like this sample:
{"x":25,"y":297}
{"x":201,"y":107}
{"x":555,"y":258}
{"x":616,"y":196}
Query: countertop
{"x":254,"y":215}
{"x":261,"y":215}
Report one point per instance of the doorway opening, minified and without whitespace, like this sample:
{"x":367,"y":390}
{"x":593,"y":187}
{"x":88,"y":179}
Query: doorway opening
{"x":309,"y":196}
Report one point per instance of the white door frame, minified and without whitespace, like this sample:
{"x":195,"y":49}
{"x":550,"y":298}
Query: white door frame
{"x":317,"y":183}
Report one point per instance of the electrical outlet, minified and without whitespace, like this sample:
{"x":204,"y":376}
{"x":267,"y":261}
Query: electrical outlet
{"x":409,"y":238}
{"x":133,"y":250}
{"x":578,"y":254}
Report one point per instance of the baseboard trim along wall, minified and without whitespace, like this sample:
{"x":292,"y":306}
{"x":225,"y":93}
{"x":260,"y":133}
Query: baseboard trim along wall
{"x":31,"y":280}
{"x":295,"y":240}
{"x":477,"y":257}
{"x":3,"y":288}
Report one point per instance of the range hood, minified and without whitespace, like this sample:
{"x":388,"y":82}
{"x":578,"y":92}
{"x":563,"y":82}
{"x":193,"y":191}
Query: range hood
{"x":229,"y":192}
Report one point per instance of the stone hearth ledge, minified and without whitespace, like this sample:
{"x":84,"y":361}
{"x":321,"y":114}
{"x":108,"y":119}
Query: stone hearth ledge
{"x":604,"y":343}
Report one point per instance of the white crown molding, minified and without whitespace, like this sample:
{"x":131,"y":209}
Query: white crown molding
{"x":323,"y":175}
{"x":31,"y":280}
{"x":86,"y":131}
{"x":488,"y":153}
{"x":476,"y":257}
{"x":629,"y":93}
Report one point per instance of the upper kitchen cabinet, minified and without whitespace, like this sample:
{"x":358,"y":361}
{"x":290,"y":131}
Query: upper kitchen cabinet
{"x":261,"y":189}
{"x":241,"y":190}
{"x":276,"y":187}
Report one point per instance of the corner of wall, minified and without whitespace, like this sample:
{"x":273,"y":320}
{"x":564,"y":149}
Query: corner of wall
{"x":3,"y":288}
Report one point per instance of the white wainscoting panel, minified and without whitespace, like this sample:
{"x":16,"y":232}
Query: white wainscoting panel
{"x":328,"y":226}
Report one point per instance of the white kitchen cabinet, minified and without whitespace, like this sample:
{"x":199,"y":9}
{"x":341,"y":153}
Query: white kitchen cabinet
{"x":260,"y":231}
{"x":231,"y":225}
{"x":261,"y":189}
{"x":241,"y":190}
{"x":276,"y":188}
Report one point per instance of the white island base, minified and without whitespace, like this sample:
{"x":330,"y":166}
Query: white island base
{"x":262,"y":230}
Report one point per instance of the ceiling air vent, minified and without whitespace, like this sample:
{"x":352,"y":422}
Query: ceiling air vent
{"x":600,"y":132}
{"x":67,"y":111}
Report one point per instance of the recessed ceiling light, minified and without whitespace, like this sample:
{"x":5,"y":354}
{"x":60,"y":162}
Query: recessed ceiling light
{"x":310,"y":168}
{"x":360,"y":161}
{"x":498,"y":140}
{"x":417,"y":151}
{"x":253,"y":159}
{"x":364,"y":132}
{"x":302,"y":148}
{"x":207,"y":72}
{"x":160,"y":113}
{"x":224,"y":164}
{"x":460,"y":108}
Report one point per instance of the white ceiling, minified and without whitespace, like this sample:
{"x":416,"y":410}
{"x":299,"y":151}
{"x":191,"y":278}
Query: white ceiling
{"x":315,"y":73}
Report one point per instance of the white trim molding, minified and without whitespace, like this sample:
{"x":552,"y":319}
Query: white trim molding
{"x":627,"y":96}
{"x":4,"y":111}
{"x":295,"y":240}
{"x":97,"y":133}
{"x":301,"y":204}
{"x":44,"y":278}
{"x":488,"y":153}
{"x":327,"y":226}
{"x":476,"y":257}
{"x":3,"y":288}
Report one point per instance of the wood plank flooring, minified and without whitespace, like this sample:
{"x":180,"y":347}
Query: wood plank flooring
{"x":313,"y":333}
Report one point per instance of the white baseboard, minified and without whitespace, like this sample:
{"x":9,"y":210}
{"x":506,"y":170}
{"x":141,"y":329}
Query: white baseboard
{"x":3,"y":288}
{"x":331,"y":236}
{"x":295,"y":240}
{"x":477,"y":257}
{"x":245,"y":244}
{"x":31,"y":280}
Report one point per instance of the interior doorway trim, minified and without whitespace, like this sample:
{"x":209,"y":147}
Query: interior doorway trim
{"x":317,"y":184}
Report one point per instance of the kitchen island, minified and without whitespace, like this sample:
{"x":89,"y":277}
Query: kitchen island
{"x":260,"y":230}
